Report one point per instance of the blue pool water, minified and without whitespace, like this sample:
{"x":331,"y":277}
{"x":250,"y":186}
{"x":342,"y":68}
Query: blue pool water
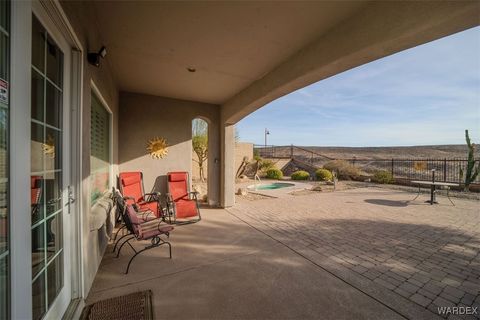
{"x":271,"y":186}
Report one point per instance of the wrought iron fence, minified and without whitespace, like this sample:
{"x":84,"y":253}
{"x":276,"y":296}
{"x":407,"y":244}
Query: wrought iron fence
{"x":447,"y":170}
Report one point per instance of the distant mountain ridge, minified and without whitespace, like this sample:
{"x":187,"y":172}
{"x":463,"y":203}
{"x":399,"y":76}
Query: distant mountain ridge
{"x":403,"y":152}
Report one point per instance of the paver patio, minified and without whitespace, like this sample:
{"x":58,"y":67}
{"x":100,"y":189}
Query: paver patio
{"x":380,"y":242}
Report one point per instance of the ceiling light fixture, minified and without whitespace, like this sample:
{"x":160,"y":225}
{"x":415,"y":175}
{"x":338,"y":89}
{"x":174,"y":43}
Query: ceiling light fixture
{"x":94,"y":57}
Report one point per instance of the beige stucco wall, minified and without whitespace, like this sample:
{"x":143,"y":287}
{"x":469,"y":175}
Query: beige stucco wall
{"x":82,"y":19}
{"x":242,"y":149}
{"x":143,"y":117}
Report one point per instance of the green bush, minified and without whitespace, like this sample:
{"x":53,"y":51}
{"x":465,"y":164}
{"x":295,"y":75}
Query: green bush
{"x":266,"y":164}
{"x":323,"y":175}
{"x":300,"y":175}
{"x":382,"y":176}
{"x":274,"y":173}
{"x":343,"y":169}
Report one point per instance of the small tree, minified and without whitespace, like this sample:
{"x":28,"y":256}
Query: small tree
{"x":472,"y":172}
{"x":262,"y":164}
{"x":200,"y":144}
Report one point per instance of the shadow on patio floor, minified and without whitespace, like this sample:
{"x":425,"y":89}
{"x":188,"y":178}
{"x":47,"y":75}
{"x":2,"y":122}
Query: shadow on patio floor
{"x":390,"y":203}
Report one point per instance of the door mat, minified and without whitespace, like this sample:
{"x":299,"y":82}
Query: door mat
{"x":133,"y":306}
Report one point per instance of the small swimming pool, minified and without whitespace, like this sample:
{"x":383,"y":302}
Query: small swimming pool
{"x":271,"y":186}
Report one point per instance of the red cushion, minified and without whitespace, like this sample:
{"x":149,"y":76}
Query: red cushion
{"x":177,"y":176}
{"x":150,"y":230}
{"x":131,"y":186}
{"x":34,"y":181}
{"x":152,"y":206}
{"x":178,"y":190}
{"x":129,"y":180}
{"x":35,"y":196}
{"x":186,"y":208}
{"x":132,"y":216}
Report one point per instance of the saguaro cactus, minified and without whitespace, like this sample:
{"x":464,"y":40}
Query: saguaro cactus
{"x":472,"y":171}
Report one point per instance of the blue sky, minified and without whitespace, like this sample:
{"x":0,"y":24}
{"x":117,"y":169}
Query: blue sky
{"x":426,"y":95}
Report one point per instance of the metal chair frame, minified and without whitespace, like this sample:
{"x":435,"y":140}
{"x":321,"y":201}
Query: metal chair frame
{"x":155,"y":241}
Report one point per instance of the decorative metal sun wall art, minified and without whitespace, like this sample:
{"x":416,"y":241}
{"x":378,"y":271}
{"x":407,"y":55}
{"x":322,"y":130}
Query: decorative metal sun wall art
{"x":49,"y":147}
{"x":157,"y":148}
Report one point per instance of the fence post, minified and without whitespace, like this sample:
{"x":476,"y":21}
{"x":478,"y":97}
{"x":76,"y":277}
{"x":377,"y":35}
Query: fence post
{"x":445,"y":170}
{"x":392,"y":166}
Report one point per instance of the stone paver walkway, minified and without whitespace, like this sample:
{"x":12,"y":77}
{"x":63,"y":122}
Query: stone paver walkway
{"x":373,"y":237}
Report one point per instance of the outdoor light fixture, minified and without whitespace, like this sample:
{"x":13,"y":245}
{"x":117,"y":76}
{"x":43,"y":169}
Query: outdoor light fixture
{"x":266,"y":133}
{"x":191,"y":69}
{"x":94,"y":57}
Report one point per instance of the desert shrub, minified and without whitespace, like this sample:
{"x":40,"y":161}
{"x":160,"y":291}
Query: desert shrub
{"x":266,"y":164}
{"x":324,"y":175}
{"x":382,"y":176}
{"x":274,"y":173}
{"x":300,"y":175}
{"x":343,"y":169}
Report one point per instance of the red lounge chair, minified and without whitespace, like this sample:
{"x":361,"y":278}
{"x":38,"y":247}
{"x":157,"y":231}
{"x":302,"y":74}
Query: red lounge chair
{"x":35,"y":193}
{"x":151,"y":230}
{"x":182,"y":203}
{"x":131,"y":187}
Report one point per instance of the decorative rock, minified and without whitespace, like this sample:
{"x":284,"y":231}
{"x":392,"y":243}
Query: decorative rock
{"x":330,"y":183}
{"x":242,"y":192}
{"x":316,"y":188}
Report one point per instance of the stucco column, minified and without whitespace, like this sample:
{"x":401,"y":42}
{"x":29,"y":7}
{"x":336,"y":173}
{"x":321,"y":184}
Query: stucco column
{"x":227,"y":185}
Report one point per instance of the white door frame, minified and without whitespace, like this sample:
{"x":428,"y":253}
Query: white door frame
{"x":20,"y":235}
{"x":20,"y":220}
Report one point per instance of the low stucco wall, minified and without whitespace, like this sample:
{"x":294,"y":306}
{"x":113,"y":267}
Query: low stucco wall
{"x":242,"y":149}
{"x":143,"y":117}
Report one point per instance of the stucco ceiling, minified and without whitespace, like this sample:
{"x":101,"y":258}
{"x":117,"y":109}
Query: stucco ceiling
{"x":230,"y":44}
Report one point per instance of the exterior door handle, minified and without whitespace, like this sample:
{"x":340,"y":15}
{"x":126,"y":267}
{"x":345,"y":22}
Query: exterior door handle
{"x":71,"y":198}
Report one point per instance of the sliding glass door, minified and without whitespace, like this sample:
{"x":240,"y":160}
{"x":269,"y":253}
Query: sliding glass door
{"x":50,"y":167}
{"x":4,"y":186}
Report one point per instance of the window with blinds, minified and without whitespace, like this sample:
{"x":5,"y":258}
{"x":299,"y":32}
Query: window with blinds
{"x":99,"y":149}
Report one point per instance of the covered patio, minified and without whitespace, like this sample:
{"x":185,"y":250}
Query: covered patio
{"x":156,"y":66}
{"x":173,"y":62}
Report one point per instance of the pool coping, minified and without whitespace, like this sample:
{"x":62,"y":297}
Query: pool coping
{"x":275,"y":193}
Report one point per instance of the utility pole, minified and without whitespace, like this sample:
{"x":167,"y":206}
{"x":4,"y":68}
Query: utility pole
{"x":266,"y":133}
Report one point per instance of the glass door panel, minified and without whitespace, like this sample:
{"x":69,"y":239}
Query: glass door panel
{"x":46,"y":170}
{"x":4,"y":137}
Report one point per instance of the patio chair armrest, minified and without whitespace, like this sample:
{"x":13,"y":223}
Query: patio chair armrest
{"x":153,"y":195}
{"x":146,"y":213}
{"x":194,"y":195}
